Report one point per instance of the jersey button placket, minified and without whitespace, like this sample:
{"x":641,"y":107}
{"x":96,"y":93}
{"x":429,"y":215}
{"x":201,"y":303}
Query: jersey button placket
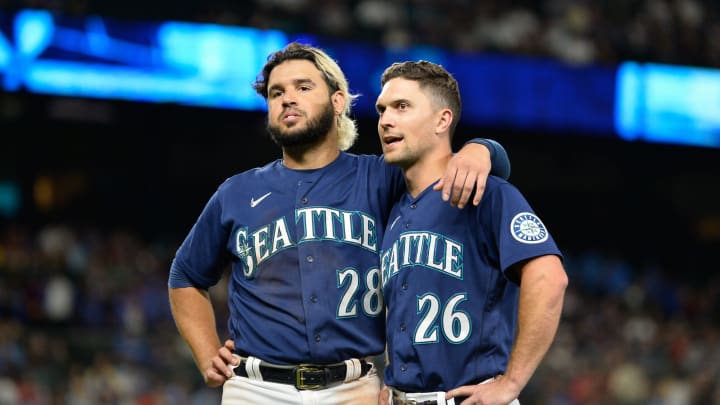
{"x":406,"y":215}
{"x":306,"y":261}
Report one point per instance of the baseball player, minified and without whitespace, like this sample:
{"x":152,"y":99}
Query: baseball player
{"x":302,"y":235}
{"x":452,"y":278}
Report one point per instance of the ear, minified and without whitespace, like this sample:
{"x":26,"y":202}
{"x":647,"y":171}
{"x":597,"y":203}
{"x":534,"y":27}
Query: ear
{"x":444,"y":121}
{"x":338,"y":102}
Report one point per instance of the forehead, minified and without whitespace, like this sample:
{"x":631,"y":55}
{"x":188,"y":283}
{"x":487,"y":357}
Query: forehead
{"x":401,"y":89}
{"x":294,"y":70}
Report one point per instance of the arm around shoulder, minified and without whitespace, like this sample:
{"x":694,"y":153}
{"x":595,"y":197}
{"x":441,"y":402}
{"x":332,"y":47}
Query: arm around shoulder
{"x":467,"y":171}
{"x":498,"y":157}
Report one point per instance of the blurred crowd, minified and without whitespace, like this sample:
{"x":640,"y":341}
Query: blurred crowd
{"x":84,"y":319}
{"x":575,"y":31}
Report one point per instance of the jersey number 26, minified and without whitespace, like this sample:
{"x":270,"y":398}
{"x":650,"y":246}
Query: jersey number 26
{"x":456,"y":325}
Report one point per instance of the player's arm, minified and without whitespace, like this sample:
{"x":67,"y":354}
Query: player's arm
{"x":542,"y":289}
{"x":469,"y":168}
{"x":194,"y":316}
{"x":198,"y":265}
{"x":384,"y":395}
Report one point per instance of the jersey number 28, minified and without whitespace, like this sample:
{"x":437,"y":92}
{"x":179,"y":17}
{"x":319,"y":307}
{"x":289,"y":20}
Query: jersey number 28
{"x":372,"y":300}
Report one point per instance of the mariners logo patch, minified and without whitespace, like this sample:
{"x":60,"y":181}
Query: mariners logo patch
{"x":526,"y":227}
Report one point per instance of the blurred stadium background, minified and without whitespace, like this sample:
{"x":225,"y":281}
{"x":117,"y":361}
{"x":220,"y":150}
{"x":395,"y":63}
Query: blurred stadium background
{"x":97,"y":190}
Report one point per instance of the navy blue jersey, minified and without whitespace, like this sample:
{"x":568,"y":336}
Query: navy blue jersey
{"x":303,"y":245}
{"x":451,"y":306}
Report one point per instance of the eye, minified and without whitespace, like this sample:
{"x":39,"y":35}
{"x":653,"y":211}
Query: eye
{"x":274,"y":93}
{"x":403,"y":106}
{"x":305,"y":88}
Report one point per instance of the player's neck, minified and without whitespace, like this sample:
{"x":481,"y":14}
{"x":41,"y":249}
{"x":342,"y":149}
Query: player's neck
{"x":313,"y":156}
{"x":425,"y":172}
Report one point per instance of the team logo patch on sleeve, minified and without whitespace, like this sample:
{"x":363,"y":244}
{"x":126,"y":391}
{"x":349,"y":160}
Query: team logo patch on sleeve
{"x":526,"y":227}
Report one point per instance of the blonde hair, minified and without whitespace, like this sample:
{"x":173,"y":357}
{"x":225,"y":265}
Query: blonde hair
{"x":334,"y":78}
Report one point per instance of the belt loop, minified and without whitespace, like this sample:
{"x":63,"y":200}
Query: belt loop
{"x":354,"y":370}
{"x":252,"y":367}
{"x":396,"y":394}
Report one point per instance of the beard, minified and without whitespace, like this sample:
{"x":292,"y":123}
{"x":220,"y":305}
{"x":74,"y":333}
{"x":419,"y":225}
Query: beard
{"x":315,"y":131}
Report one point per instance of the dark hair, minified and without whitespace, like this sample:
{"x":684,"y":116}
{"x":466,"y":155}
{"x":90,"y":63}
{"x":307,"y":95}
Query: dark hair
{"x":442,"y":85}
{"x":293,"y":51}
{"x":334,"y":78}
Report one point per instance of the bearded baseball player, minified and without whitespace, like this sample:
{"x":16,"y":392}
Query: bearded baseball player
{"x":473,"y":296}
{"x":302,"y":236}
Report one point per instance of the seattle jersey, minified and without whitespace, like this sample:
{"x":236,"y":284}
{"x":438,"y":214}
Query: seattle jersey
{"x":451,"y":307}
{"x":303,"y":245}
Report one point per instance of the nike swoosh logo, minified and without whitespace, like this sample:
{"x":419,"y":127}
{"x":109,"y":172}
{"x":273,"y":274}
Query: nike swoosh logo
{"x":254,"y":202}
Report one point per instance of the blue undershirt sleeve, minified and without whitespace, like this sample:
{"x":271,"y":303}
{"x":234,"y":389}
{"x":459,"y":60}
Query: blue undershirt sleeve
{"x":498,"y":157}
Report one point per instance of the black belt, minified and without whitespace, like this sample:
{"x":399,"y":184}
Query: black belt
{"x":305,"y":376}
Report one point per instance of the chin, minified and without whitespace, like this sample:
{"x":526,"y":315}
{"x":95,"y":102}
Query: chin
{"x":393,"y":160}
{"x":292,"y":130}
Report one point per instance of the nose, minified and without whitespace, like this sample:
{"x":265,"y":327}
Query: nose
{"x":288,"y":98}
{"x":385,"y":121}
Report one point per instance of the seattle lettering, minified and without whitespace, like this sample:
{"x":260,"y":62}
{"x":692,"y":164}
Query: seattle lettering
{"x":311,"y":224}
{"x":425,"y":249}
